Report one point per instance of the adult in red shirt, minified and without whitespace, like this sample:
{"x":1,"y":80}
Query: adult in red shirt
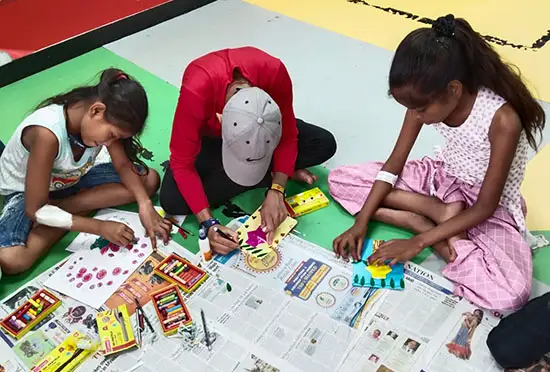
{"x":234,"y":129}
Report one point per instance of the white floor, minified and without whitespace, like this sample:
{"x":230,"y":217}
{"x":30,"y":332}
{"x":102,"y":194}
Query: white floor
{"x":339,"y":83}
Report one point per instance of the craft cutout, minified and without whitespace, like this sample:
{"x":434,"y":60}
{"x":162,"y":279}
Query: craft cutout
{"x":253,"y":241}
{"x":377,"y":276}
{"x":265,"y":264}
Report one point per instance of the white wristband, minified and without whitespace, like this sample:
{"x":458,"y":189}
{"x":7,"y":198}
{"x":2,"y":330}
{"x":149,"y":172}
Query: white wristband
{"x":386,"y":177}
{"x":50,"y":215}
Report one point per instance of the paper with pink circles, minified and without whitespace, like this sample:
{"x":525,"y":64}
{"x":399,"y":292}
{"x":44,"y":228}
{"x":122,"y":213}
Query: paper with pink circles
{"x":98,"y":268}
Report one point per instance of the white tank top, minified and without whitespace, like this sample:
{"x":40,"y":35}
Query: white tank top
{"x":468,"y":150}
{"x":66,"y":171}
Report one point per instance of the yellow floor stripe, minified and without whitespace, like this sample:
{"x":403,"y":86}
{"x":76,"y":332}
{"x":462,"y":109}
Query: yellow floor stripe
{"x":385,"y":22}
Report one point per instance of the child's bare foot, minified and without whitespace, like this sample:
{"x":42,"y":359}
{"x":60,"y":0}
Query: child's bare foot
{"x":445,"y":251}
{"x":303,"y":175}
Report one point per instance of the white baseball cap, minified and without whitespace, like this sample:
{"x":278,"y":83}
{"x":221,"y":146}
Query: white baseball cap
{"x":251,"y":130}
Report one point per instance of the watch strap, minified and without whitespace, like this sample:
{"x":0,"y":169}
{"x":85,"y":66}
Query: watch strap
{"x":207,"y":224}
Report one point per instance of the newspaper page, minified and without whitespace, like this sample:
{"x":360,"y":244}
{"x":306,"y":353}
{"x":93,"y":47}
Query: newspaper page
{"x":307,"y":272}
{"x":294,"y":310}
{"x":424,"y":328}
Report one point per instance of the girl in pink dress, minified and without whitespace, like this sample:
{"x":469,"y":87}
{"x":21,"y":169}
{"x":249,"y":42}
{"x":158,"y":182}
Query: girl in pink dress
{"x":466,"y":201}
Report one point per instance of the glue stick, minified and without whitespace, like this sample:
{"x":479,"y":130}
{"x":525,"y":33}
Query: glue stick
{"x":204,"y":247}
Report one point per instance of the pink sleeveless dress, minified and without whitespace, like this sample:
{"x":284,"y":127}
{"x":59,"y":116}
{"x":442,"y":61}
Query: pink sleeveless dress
{"x":493,"y":268}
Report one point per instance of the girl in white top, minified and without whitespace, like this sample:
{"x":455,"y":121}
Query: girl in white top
{"x":465,"y":202}
{"x":47,"y":171}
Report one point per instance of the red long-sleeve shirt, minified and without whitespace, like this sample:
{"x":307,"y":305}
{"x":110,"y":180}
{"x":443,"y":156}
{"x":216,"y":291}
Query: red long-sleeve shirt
{"x":202,"y":96}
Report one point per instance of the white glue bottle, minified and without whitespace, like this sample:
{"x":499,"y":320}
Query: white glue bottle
{"x":204,"y":247}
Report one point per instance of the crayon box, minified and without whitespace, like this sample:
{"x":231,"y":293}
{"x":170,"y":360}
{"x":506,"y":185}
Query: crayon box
{"x":32,"y":312}
{"x":66,"y":357}
{"x":115,"y":330}
{"x":177,"y":270}
{"x":306,"y":202}
{"x":170,"y":309}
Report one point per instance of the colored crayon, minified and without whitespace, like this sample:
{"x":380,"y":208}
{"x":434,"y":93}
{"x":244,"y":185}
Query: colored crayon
{"x":176,"y":266}
{"x":179,"y":271}
{"x":23,"y":310}
{"x":187,"y":276}
{"x":30,"y":315}
{"x":174,"y":309}
{"x":166,"y":305}
{"x":34,"y":303}
{"x":163,"y":265}
{"x":19,"y":322}
{"x":166,"y":299}
{"x":170,"y":266}
{"x":175,"y":319}
{"x":172,"y":304}
{"x":47,"y":298}
{"x":196,"y":279}
{"x":12,"y":325}
{"x":176,"y":322}
{"x":174,"y":314}
{"x":164,"y":302}
{"x":167,"y":294}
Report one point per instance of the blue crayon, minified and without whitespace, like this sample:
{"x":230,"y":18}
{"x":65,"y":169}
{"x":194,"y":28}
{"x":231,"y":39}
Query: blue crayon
{"x":173,"y":309}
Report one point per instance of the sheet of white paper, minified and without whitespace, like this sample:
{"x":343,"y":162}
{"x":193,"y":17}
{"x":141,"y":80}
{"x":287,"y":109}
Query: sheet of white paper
{"x":98,"y":267}
{"x":91,"y":277}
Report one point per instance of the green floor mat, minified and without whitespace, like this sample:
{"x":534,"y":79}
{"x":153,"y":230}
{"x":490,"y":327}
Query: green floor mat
{"x":320,"y":227}
{"x":19,"y":99}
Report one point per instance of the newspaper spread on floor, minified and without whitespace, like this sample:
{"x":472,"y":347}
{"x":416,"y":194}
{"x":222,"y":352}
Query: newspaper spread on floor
{"x":294,"y":310}
{"x":425,"y":328}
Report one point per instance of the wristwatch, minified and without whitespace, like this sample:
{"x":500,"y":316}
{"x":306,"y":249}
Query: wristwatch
{"x":207,"y":224}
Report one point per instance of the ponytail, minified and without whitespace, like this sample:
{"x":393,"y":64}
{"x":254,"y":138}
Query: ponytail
{"x":126,"y":106}
{"x":428,"y":59}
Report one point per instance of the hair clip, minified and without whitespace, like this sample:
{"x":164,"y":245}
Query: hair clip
{"x":121,"y":76}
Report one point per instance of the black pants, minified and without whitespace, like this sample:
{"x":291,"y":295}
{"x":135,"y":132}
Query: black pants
{"x":522,"y":338}
{"x":315,"y":146}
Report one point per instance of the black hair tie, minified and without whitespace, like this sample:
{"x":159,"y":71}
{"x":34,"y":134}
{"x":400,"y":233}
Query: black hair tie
{"x":445,"y":26}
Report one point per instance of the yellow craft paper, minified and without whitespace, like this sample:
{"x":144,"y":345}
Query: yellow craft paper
{"x":255,"y":244}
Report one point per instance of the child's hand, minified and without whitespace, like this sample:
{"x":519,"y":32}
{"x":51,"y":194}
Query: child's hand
{"x":117,"y":233}
{"x":154,"y":225}
{"x":218,"y":243}
{"x":350,"y":242}
{"x":396,"y":250}
{"x":273,"y":213}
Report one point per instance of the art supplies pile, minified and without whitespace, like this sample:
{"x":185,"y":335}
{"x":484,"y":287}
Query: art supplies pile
{"x":376,"y":276}
{"x":115,"y":330}
{"x":177,"y":270}
{"x":29,"y":314}
{"x":68,"y":355}
{"x":170,"y":309}
{"x":295,"y":309}
{"x":253,"y":240}
{"x":306,"y":202}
